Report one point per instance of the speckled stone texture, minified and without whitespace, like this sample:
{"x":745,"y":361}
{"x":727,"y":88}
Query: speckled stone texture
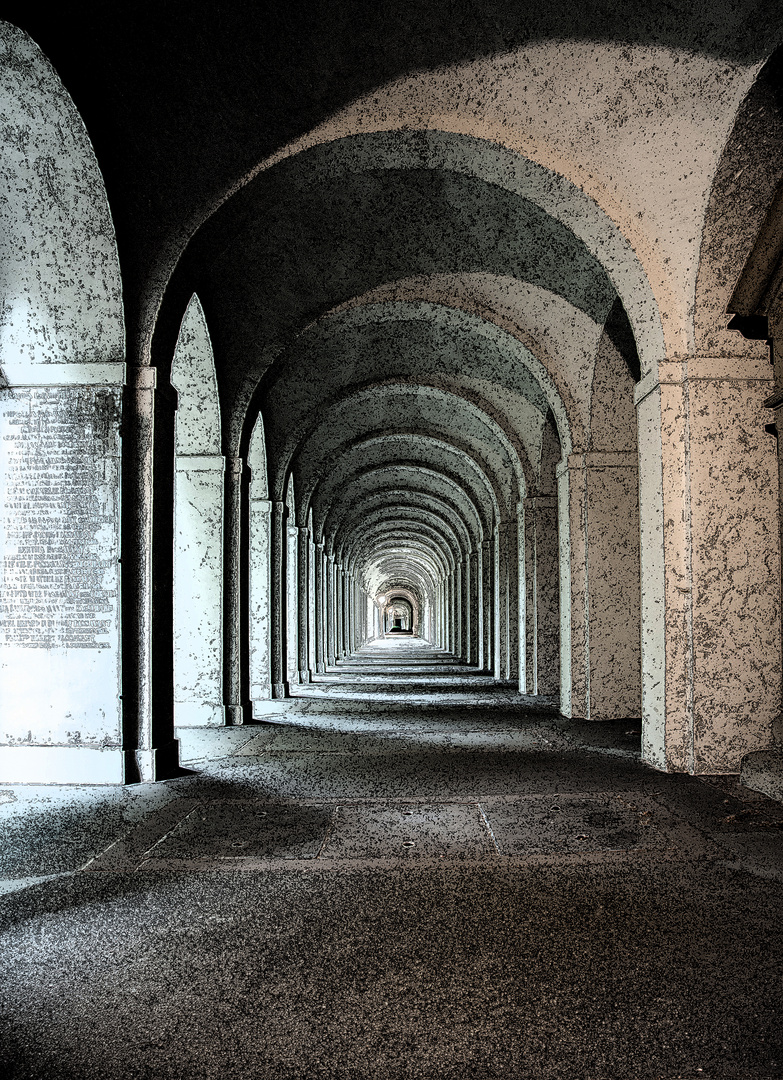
{"x":460,"y":888}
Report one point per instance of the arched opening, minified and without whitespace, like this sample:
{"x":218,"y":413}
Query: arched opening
{"x":398,"y":615}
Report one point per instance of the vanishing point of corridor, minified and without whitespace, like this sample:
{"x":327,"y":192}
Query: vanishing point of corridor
{"x":412,"y":872}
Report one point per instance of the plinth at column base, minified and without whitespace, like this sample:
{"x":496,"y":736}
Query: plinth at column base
{"x":147,"y":766}
{"x":235,"y":715}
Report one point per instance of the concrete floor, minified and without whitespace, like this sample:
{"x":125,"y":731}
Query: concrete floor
{"x":413,"y":873}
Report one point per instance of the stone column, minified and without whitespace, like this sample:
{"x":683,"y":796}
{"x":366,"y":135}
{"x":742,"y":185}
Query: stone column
{"x":600,"y":659}
{"x":198,"y":591}
{"x":292,"y":604}
{"x":313,"y":558}
{"x":487,"y":597}
{"x":232,"y":614}
{"x":260,"y":627}
{"x":458,"y":609}
{"x":527,"y":684}
{"x":467,"y":624}
{"x":331,"y":611}
{"x":351,"y":613}
{"x":303,"y":604}
{"x":60,"y":660}
{"x":340,"y":610}
{"x":497,"y":628}
{"x":321,"y":566}
{"x":279,"y":598}
{"x":450,"y":611}
{"x":138,"y":456}
{"x":543,"y":595}
{"x":508,"y":599}
{"x":474,"y":606}
{"x":711,"y":650}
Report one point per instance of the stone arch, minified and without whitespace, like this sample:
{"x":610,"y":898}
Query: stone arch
{"x":424,"y":453}
{"x":425,"y":406}
{"x":347,"y":512}
{"x":742,"y":191}
{"x":62,"y":367}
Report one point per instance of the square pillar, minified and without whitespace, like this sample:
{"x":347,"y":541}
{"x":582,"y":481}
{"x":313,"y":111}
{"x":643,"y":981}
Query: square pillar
{"x":711,"y":644}
{"x":600,"y":586}
{"x":542,"y":591}
{"x":60,"y":649}
{"x":508,"y":599}
{"x":198,"y":591}
{"x":474,"y":655}
{"x":259,"y":582}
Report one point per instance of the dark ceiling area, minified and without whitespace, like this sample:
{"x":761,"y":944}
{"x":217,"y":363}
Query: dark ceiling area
{"x":183,"y":99}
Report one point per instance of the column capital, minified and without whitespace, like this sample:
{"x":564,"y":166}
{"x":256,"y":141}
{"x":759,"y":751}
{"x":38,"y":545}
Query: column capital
{"x":748,"y":367}
{"x":598,"y":459}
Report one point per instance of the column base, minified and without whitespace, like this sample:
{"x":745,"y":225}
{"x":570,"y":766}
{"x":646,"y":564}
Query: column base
{"x":304,"y":676}
{"x":762,"y":770}
{"x":235,"y":715}
{"x":147,"y":766}
{"x":280,"y":690}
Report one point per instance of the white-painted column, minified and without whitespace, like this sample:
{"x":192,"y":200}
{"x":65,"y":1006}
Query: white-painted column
{"x":711,"y":646}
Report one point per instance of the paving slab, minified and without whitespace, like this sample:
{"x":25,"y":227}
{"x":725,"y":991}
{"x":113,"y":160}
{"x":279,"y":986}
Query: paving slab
{"x":409,"y":831}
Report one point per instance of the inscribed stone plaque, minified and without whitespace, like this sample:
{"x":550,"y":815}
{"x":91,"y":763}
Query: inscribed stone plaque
{"x":59,"y":475}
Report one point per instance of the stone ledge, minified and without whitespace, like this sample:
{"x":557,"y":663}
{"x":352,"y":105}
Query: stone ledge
{"x":762,"y":770}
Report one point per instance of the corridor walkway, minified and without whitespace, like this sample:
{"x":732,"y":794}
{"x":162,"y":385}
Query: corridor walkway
{"x":413,"y":872}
